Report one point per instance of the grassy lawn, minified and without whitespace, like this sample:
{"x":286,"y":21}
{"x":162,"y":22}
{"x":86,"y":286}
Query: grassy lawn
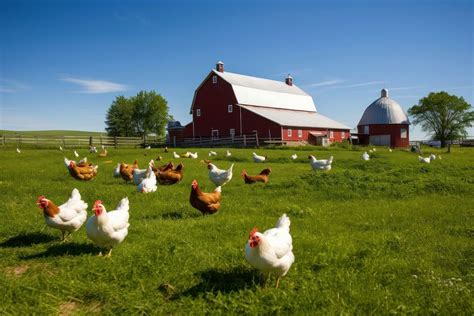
{"x":54,"y":133}
{"x":390,"y":235}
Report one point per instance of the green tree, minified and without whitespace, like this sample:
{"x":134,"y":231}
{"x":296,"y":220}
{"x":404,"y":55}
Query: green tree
{"x":119,"y":118}
{"x":444,"y":116}
{"x":150,"y":114}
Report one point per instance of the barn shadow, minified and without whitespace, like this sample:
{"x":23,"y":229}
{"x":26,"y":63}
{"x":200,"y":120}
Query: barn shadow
{"x":27,"y":240}
{"x":218,"y":281}
{"x":65,"y":249}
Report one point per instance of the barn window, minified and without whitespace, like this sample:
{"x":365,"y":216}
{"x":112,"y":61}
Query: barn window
{"x":331,"y":134}
{"x":198,"y":112}
{"x":289,"y":132}
{"x":214,"y":79}
{"x":343,"y":135}
{"x":403,"y":133}
{"x":232,"y":132}
{"x":300,"y":133}
{"x":229,"y":108}
{"x":366,"y":129}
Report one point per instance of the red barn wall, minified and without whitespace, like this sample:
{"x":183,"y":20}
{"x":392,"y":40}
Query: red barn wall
{"x":252,"y":122}
{"x":394,"y":130}
{"x":337,"y":133}
{"x":212,"y":99}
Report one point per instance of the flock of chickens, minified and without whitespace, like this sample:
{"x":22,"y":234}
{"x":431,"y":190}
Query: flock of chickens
{"x":270,"y":252}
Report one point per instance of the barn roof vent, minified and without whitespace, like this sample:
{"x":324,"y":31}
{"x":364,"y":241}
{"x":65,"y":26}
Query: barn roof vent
{"x":384,"y":93}
{"x":289,"y":80}
{"x":220,"y":66}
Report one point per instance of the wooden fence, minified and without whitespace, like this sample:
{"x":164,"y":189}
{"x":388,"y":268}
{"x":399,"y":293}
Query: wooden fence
{"x":251,"y":140}
{"x":79,"y":141}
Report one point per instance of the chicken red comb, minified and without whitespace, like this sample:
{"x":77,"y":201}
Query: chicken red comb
{"x":39,"y":199}
{"x":253,"y":231}
{"x":97,"y":203}
{"x":243,"y":172}
{"x":194,"y":182}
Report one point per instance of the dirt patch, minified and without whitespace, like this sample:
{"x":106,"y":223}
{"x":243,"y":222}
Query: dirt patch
{"x":16,"y":271}
{"x":67,"y":308}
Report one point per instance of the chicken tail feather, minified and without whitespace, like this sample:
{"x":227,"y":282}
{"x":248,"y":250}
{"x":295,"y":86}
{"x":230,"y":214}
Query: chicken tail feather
{"x":283,"y":222}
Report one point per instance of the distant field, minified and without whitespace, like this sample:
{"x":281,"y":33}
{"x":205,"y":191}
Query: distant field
{"x":54,"y":133}
{"x":386,"y":236}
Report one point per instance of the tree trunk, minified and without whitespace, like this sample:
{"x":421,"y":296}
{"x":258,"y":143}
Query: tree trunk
{"x":443,"y":143}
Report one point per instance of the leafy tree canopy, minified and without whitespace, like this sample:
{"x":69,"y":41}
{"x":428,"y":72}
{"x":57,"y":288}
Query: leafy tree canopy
{"x":145,"y":113}
{"x":446,"y":117}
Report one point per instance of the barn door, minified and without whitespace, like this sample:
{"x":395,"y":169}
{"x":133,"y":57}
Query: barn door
{"x":215,"y":134}
{"x":380,"y":140}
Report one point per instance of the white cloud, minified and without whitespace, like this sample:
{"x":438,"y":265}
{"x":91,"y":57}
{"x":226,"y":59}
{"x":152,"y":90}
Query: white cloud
{"x":11,"y":86}
{"x":326,"y":83}
{"x":96,"y":86}
{"x":362,"y":84}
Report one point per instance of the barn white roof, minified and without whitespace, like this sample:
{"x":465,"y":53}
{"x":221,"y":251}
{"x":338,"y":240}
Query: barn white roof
{"x":384,"y":111}
{"x":267,"y":93}
{"x":295,"y":118}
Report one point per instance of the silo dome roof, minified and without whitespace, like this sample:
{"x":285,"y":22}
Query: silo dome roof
{"x":384,"y":111}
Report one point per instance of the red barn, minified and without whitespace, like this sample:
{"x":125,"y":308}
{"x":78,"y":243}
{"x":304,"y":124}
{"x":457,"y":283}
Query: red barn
{"x":384,"y":123}
{"x":227,"y":104}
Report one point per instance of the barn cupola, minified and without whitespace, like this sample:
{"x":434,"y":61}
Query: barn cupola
{"x":220,"y":66}
{"x":384,"y":93}
{"x":289,"y":80}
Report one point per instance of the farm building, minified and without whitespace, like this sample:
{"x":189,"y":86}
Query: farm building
{"x":227,"y":104}
{"x":384,"y":123}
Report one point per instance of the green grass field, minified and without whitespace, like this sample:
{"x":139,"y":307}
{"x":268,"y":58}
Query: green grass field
{"x":390,"y":235}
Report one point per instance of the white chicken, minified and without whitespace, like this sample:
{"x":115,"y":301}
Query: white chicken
{"x":294,"y":156}
{"x":212,"y":153}
{"x":148,"y":184}
{"x":148,"y":147}
{"x":258,"y":158}
{"x":365,"y":156}
{"x":193,"y":155}
{"x":175,"y":155}
{"x":424,"y":160}
{"x":228,"y":154}
{"x":76,"y":154}
{"x":140,"y":174}
{"x":18,"y":150}
{"x":390,"y":150}
{"x":117,"y":171}
{"x":432,"y":157}
{"x":60,"y":148}
{"x":67,"y":217}
{"x":92,"y":149}
{"x":374,"y":149}
{"x":322,"y":164}
{"x":108,"y":229}
{"x":218,"y":176}
{"x":271,"y":252}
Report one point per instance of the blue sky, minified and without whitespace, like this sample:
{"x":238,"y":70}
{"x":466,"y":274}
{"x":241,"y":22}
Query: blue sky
{"x":63,"y":62}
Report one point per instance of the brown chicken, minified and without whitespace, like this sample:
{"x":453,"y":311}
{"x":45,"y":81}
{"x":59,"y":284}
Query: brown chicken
{"x":126,"y":170}
{"x":170,"y":176}
{"x":85,"y":173}
{"x":261,"y":177}
{"x":103,"y":153}
{"x":207,"y":203}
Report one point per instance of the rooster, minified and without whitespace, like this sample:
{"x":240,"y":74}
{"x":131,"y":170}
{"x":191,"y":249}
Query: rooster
{"x":218,"y":176}
{"x":67,"y":217}
{"x":271,"y":252}
{"x":148,"y":184}
{"x":424,"y":160}
{"x":261,"y":177}
{"x":258,"y":158}
{"x":207,"y":203}
{"x":108,"y":229}
{"x":365,"y":156}
{"x":321,"y":164}
{"x":170,"y":176}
